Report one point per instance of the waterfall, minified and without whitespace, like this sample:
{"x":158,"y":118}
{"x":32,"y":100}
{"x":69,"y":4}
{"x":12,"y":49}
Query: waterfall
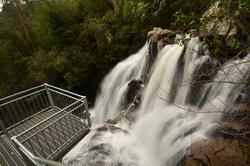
{"x":113,"y":89}
{"x":169,"y":122}
{"x":180,"y":105}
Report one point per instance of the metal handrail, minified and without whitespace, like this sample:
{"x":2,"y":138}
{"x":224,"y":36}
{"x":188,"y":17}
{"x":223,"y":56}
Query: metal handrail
{"x":19,"y":93}
{"x":30,"y":94}
{"x":45,"y":120}
{"x":21,"y":102}
{"x":23,"y":150}
{"x":45,"y":126}
{"x":4,"y":103}
{"x":52,"y":90}
{"x":67,"y":107}
{"x":16,"y":124}
{"x":51,"y":86}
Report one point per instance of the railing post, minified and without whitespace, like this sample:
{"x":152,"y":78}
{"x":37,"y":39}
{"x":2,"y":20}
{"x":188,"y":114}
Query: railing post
{"x":87,"y":111}
{"x":49,"y":95}
{"x":3,"y":127}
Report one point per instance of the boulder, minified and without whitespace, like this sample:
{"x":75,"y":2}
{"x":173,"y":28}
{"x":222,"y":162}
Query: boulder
{"x":133,"y":96}
{"x":158,"y":33}
{"x":162,"y":37}
{"x":117,"y":118}
{"x":213,"y":26}
{"x":135,"y":88}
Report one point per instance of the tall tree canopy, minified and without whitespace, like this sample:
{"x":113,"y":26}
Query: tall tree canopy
{"x":74,"y":43}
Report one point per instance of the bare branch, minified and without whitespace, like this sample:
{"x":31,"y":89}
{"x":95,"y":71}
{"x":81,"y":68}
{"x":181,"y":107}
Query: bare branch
{"x":187,"y":109}
{"x":234,"y":134}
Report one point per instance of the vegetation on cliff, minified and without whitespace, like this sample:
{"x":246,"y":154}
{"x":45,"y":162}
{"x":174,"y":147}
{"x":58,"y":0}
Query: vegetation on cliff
{"x":74,"y":43}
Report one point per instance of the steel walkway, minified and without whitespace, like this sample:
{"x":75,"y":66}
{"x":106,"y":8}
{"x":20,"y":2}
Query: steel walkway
{"x":41,"y":138}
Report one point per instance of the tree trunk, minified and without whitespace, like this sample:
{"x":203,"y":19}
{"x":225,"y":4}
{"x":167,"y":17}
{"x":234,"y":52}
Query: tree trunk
{"x":24,"y":23}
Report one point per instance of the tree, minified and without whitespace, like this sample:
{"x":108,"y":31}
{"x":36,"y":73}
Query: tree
{"x":64,"y":42}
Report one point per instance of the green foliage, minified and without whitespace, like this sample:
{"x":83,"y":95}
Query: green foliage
{"x":55,"y":23}
{"x":74,"y":43}
{"x":77,"y":66}
{"x":41,"y":67}
{"x":65,"y":42}
{"x":187,"y":6}
{"x":185,"y":21}
{"x":232,"y":13}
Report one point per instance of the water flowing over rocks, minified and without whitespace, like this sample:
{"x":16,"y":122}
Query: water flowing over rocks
{"x":228,"y":145}
{"x":169,"y":105}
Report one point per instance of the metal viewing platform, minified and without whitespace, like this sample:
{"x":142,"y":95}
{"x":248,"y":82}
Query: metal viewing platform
{"x":38,"y":125}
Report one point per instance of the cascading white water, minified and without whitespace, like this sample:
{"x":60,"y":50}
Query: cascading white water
{"x":166,"y":127}
{"x":175,"y":111}
{"x":111,"y":99}
{"x":168,"y":122}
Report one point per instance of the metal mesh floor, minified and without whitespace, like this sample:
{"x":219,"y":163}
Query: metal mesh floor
{"x":8,"y":153}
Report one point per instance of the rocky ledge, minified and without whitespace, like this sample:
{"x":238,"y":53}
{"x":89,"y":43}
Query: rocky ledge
{"x":228,"y":145}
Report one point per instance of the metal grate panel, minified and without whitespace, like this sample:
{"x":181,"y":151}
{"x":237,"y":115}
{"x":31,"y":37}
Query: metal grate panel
{"x":44,"y":121}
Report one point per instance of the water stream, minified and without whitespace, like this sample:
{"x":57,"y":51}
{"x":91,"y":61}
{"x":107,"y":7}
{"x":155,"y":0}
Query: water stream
{"x":113,"y":88}
{"x":184,"y":98}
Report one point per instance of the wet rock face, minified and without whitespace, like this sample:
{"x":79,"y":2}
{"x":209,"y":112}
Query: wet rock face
{"x":161,"y":37}
{"x":157,"y":39}
{"x":133,"y":96}
{"x":135,"y":88}
{"x":228,"y":145}
{"x":117,"y":118}
{"x":217,"y":152}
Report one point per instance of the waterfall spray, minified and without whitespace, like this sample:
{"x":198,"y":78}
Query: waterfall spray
{"x":179,"y":106}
